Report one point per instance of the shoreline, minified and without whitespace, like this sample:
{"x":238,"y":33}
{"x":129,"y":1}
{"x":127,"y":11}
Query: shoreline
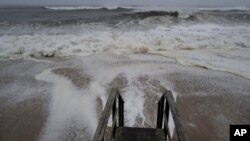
{"x":196,"y":89}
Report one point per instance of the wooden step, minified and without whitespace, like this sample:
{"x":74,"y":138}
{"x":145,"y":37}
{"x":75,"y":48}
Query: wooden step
{"x":139,"y":134}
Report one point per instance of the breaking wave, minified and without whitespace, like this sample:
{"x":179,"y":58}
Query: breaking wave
{"x":238,"y":8}
{"x":205,"y":38}
{"x":116,"y":16}
{"x":226,"y":17}
{"x":87,"y":8}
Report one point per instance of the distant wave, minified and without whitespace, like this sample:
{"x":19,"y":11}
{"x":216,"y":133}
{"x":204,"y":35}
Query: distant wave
{"x":240,"y":8}
{"x":86,"y":8}
{"x":147,"y":14}
{"x":143,"y":9}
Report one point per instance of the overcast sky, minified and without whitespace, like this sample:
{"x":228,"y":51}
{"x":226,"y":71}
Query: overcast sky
{"x":129,"y":2}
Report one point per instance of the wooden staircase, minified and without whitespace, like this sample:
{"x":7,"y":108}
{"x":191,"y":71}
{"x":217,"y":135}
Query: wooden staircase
{"x":139,"y":134}
{"x":118,"y":132}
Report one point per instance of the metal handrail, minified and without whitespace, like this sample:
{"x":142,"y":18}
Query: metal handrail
{"x":110,"y":106}
{"x":168,"y":101}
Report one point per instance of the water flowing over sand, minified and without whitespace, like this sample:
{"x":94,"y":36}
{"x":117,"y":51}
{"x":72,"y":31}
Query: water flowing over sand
{"x":72,"y":103}
{"x":56,"y":69}
{"x":211,"y":39}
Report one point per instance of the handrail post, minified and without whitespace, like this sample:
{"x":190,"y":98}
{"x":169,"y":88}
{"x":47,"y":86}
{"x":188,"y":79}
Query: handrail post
{"x":114,"y":111}
{"x":166,"y":118}
{"x":121,"y":110}
{"x":167,"y":110}
{"x":160,"y":112}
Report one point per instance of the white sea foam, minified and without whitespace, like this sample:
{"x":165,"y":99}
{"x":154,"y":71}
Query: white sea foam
{"x":84,"y":7}
{"x":69,"y":109}
{"x":234,"y":61}
{"x":213,"y":46}
{"x":210,"y":45}
{"x":137,"y":8}
{"x":73,"y":107}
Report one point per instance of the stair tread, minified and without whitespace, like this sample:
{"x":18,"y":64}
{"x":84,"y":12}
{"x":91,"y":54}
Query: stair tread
{"x":139,"y":134}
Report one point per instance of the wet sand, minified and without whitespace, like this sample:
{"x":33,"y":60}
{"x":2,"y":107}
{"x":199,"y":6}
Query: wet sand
{"x":79,"y":79}
{"x":208,"y":101}
{"x":23,"y":101}
{"x":23,"y":121}
{"x":208,"y":109}
{"x":209,"y":117}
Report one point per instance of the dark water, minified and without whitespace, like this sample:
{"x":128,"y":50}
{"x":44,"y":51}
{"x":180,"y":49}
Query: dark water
{"x":49,"y":17}
{"x":40,"y":15}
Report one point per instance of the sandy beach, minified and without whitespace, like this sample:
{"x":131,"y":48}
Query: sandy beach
{"x":58,"y":64}
{"x":61,"y":98}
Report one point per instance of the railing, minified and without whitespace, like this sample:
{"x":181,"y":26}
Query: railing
{"x":115,"y":103}
{"x":111,"y":105}
{"x":167,"y":102}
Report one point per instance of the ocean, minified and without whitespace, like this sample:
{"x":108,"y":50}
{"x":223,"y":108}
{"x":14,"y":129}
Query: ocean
{"x":194,"y":36}
{"x":57,"y":64}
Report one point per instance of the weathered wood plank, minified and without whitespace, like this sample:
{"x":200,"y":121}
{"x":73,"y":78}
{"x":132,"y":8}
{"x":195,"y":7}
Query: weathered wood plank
{"x":178,"y":126}
{"x":139,"y":134}
{"x":113,"y":128}
{"x":100,"y":130}
{"x":166,"y":128}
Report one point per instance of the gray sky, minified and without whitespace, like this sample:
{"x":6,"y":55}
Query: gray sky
{"x":129,"y":2}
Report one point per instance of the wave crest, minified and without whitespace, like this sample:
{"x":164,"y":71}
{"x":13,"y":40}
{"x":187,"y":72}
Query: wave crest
{"x":86,"y":8}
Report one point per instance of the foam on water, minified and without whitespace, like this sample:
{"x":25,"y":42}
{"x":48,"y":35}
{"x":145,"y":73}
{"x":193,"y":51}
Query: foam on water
{"x":70,"y":109}
{"x":196,"y":45}
{"x":75,"y":109}
{"x":208,"y":45}
{"x":72,"y":112}
{"x":86,"y":7}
